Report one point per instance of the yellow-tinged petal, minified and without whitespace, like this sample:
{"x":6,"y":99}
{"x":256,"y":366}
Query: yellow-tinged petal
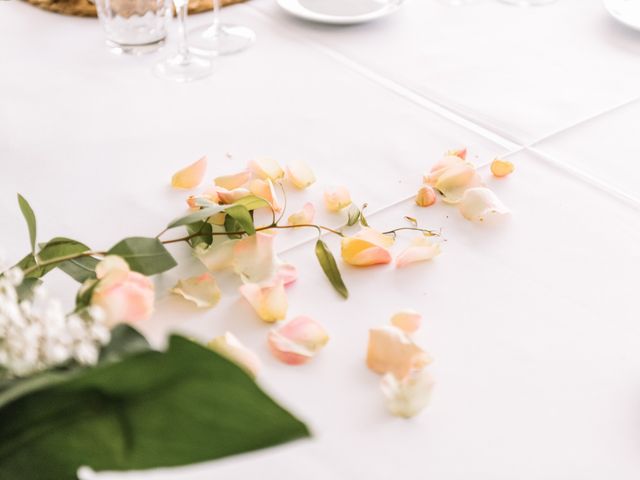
{"x":264,"y":189}
{"x":392,"y":351}
{"x":461,"y":152}
{"x":367,"y":247}
{"x":501,"y":168}
{"x":112,"y":270}
{"x":481,"y":205}
{"x":208,"y":197}
{"x":269,"y":302}
{"x":304,"y":216}
{"x":230,"y":347}
{"x":254,"y":258}
{"x":298,"y":340}
{"x":407,"y":320}
{"x":228,"y":197}
{"x":426,"y":196}
{"x":231,"y":182}
{"x":300,"y":174}
{"x":442,"y":166}
{"x":202,"y":290}
{"x":191,"y":176}
{"x":409,"y":396}
{"x":455,"y":181}
{"x":420,"y":250}
{"x":218,"y":256}
{"x":337,"y":198}
{"x":266,"y":168}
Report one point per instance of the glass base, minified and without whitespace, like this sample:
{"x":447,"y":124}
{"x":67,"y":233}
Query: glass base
{"x":223,"y":40}
{"x":180,"y":68}
{"x":527,"y":3}
{"x":137,"y":49}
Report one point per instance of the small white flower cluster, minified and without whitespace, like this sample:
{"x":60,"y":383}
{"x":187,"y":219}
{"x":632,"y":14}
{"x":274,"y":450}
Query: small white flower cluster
{"x":36,"y":334}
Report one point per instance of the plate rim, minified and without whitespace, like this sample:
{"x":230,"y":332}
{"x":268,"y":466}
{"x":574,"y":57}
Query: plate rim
{"x":610,"y":5}
{"x":304,"y":13}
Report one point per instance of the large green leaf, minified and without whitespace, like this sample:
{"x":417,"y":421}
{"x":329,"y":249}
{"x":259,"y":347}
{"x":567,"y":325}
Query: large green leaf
{"x":30,"y":217}
{"x":152,"y":409}
{"x":330,"y":268}
{"x":54,"y":248}
{"x":251,"y":202}
{"x":145,"y":255}
{"x":80,"y":269}
{"x":198,"y":216}
{"x":242,"y":216}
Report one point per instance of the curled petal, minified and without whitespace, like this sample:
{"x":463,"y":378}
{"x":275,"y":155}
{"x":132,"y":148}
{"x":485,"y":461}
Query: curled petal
{"x":264,"y":189}
{"x":407,"y":320}
{"x":455,"y":181}
{"x":230,"y":347}
{"x":300,"y":174}
{"x":298,"y":340}
{"x":367,"y":247}
{"x":426,"y":196}
{"x":481,"y":205}
{"x":501,"y":168}
{"x":462,"y":153}
{"x":202,"y":290}
{"x":218,"y":256}
{"x":287,"y":273}
{"x":420,"y":250}
{"x":231,"y":182}
{"x":227,"y":197}
{"x":409,"y":396}
{"x":336,"y":198}
{"x":442,"y":166}
{"x":392,"y":351}
{"x":208,"y":197}
{"x":269,"y":302}
{"x":191,"y":176}
{"x":266,"y":168}
{"x":304,"y":216}
{"x":254,"y":258}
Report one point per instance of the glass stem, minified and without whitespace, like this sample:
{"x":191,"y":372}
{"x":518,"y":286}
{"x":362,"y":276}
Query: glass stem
{"x":215,"y":26}
{"x":182,"y":8}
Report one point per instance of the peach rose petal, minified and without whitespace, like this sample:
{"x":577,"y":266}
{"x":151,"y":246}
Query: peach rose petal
{"x":455,"y":181}
{"x":266,"y":168}
{"x":202,"y":290}
{"x":409,"y":396}
{"x":297,"y":341}
{"x":304,"y":216}
{"x":230,"y":347}
{"x":407,"y":320}
{"x":264,"y":189}
{"x":254,"y":258}
{"x":501,"y":168}
{"x":191,"y":176}
{"x":218,"y":256}
{"x":462,"y":153}
{"x":286,"y":272}
{"x":426,"y":196}
{"x":227,"y":197}
{"x":269,"y":301}
{"x":337,"y":198}
{"x":112,"y":269}
{"x":444,"y":164}
{"x":420,"y":250}
{"x":391,"y":350}
{"x":300,"y":174}
{"x":367,"y":247}
{"x":231,"y":182}
{"x":481,"y":205}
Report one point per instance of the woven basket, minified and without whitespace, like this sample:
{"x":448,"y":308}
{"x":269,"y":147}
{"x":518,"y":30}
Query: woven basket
{"x":84,"y":8}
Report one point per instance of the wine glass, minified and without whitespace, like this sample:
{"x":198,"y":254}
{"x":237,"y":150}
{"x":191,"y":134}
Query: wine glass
{"x":527,"y":3}
{"x":183,"y":66}
{"x":220,"y":38}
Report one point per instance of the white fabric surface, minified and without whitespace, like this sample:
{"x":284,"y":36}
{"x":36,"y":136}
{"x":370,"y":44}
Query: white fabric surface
{"x":533,"y":325}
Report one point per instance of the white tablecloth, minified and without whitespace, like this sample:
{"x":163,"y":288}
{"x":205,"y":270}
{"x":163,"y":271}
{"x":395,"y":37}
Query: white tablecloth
{"x":534,"y":325}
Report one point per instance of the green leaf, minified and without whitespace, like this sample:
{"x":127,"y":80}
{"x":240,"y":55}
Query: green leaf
{"x":251,"y":202}
{"x":328,"y":264}
{"x":125,"y":341}
{"x":30,"y":217}
{"x":232,"y":225}
{"x":353,"y":215}
{"x":25,"y":289}
{"x":198,"y":216}
{"x":205,"y":228}
{"x":54,"y":248}
{"x":243,"y":217}
{"x":80,"y":269}
{"x":363,"y":220}
{"x":145,"y":255}
{"x":153,"y":409}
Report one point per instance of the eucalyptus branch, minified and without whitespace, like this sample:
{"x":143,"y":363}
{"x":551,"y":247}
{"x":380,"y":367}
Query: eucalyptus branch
{"x":426,"y":231}
{"x":64,"y":258}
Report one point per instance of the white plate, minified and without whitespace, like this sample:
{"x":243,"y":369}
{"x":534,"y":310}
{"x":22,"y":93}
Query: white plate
{"x":625,"y":11}
{"x":340,"y":11}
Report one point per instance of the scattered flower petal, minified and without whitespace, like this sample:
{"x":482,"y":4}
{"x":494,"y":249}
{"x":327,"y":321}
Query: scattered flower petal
{"x":300,"y":174}
{"x":426,"y":196}
{"x":269,"y":301}
{"x":453,"y":182}
{"x":266,"y":168}
{"x":202,"y":290}
{"x":218,"y":256}
{"x":367,"y":247}
{"x":442,"y":166}
{"x":337,"y":198}
{"x":407,"y":320}
{"x":304,"y":216}
{"x":254,"y":258}
{"x":420,"y":250}
{"x":264,"y":189}
{"x":409,"y":396}
{"x":392,"y":351}
{"x":230,"y":347}
{"x":501,"y":168}
{"x":209,"y":196}
{"x":231,"y":182}
{"x":462,"y":153}
{"x":191,"y":176}
{"x":481,"y":205}
{"x":228,"y":197}
{"x":298,"y":340}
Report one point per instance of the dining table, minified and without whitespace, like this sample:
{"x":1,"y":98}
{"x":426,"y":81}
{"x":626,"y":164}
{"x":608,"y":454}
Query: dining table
{"x":533,"y":323}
